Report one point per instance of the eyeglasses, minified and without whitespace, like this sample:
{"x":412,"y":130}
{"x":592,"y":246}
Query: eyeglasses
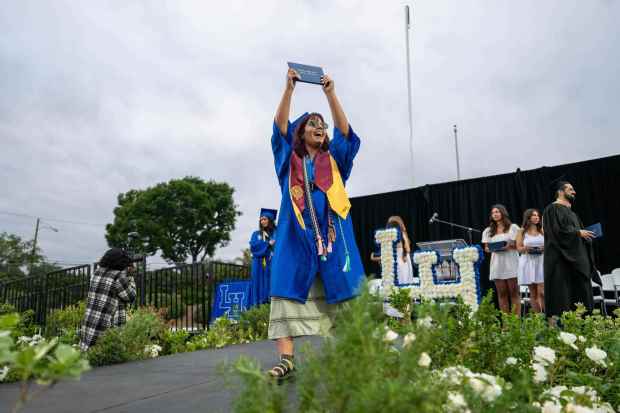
{"x":317,"y":125}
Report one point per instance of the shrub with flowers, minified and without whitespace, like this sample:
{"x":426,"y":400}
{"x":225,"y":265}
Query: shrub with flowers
{"x":450,"y":359}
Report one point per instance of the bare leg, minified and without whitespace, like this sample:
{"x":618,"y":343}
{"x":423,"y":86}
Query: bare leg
{"x":502,"y":295}
{"x":284,"y":345}
{"x":541,"y":296}
{"x":515,"y":296}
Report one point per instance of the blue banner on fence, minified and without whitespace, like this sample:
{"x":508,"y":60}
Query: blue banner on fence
{"x":231,"y":299}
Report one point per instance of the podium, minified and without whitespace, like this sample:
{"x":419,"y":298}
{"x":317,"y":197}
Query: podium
{"x":446,"y":269}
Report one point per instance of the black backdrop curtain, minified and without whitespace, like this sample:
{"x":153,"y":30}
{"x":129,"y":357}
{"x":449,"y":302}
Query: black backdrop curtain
{"x":468,"y":203}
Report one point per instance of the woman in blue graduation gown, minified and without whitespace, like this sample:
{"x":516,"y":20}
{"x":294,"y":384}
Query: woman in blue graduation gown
{"x":317,"y":264}
{"x":262,"y":244}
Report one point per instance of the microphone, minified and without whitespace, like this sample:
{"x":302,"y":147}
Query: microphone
{"x":433,"y":218}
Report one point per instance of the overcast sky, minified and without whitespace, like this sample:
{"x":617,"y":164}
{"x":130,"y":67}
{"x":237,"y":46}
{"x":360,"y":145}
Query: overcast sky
{"x":97,"y":98}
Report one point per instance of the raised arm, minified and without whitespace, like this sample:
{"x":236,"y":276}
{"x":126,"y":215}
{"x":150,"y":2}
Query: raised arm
{"x":284,"y":107}
{"x":340,"y":119}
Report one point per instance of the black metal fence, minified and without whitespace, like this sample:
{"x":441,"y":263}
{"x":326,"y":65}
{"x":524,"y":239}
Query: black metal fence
{"x":183,"y":293}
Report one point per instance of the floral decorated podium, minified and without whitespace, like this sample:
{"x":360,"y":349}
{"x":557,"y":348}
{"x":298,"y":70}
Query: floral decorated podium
{"x":459,"y":278}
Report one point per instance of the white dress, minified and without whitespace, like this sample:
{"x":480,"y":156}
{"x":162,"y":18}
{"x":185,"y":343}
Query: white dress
{"x":405,"y":268}
{"x":504,"y":264}
{"x":531,"y":268}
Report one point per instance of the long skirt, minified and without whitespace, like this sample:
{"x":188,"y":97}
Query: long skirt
{"x":289,"y":318}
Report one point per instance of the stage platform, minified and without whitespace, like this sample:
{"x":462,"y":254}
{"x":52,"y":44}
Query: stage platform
{"x":187,"y":382}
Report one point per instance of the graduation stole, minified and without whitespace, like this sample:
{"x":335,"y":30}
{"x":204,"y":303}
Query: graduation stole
{"x":327,"y":178}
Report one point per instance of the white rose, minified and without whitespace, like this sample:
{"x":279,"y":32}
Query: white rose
{"x":390,"y":336}
{"x":511,"y":361}
{"x":550,"y":407}
{"x":556,"y":391}
{"x":569,"y":339}
{"x":540,"y":373}
{"x":425,"y":360}
{"x":575,"y":408}
{"x":544,"y":355}
{"x":425,"y":322}
{"x":581,"y":339}
{"x":408,"y":339}
{"x":456,"y":403}
{"x":4,"y":372}
{"x":596,"y":355}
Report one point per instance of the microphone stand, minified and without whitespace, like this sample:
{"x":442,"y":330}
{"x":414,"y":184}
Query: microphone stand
{"x":453,"y":225}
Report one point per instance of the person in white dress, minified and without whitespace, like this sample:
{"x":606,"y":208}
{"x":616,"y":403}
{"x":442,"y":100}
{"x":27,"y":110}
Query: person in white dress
{"x":405,"y":274}
{"x":531,"y":243}
{"x":504,"y":263}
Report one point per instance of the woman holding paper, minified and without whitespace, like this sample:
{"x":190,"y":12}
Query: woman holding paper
{"x":531,"y":243}
{"x":499,"y":239}
{"x":317,"y":264}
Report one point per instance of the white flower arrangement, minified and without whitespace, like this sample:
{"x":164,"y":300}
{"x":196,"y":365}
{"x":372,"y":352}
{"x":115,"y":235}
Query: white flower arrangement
{"x":466,"y":258}
{"x":426,"y":322}
{"x":387,"y":239}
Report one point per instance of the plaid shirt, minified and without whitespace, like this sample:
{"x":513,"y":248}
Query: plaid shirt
{"x":109,"y":292}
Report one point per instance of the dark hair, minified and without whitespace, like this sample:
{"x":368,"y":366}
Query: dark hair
{"x":560,"y":186}
{"x":505,"y":219}
{"x":115,"y":259}
{"x":397,"y":222}
{"x":299,"y":145}
{"x":527,"y":215}
{"x":271,"y":227}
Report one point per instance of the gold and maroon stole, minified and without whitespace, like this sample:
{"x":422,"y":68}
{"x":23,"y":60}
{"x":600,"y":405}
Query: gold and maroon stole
{"x":327,"y":178}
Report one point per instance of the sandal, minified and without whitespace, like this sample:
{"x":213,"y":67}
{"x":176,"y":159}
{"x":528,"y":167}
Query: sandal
{"x":283,"y":370}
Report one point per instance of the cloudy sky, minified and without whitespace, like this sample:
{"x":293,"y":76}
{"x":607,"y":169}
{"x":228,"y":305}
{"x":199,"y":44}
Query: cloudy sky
{"x":97,"y":98}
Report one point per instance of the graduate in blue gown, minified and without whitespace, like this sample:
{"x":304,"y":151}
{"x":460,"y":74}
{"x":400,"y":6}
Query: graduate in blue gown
{"x":317,"y":252}
{"x":262,"y":245}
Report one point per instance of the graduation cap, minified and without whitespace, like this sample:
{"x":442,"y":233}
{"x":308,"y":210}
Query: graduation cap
{"x":558,"y":184}
{"x":269,"y":213}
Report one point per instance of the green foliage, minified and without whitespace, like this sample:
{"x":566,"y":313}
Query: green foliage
{"x":401,"y":301}
{"x":65,"y":323}
{"x":16,"y":254}
{"x":254,"y":323}
{"x":182,"y":218}
{"x":41,"y":360}
{"x":173,"y":342}
{"x":482,"y":358}
{"x":128,"y":342}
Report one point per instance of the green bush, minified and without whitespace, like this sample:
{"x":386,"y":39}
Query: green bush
{"x":6,"y":308}
{"x":253,"y":324}
{"x":173,"y":342}
{"x":144,"y":327}
{"x":64,"y":323}
{"x":449,"y":359}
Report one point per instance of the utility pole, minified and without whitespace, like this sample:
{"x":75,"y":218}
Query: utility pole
{"x":407,"y":27}
{"x":456,"y":149}
{"x":34,"y":246}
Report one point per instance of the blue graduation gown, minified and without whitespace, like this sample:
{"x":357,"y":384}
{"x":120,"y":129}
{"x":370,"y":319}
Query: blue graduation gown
{"x":261,"y":270}
{"x":296,"y":263}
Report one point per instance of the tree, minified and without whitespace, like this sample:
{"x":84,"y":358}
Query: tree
{"x":245,"y":258}
{"x":16,"y":255}
{"x":181,"y":218}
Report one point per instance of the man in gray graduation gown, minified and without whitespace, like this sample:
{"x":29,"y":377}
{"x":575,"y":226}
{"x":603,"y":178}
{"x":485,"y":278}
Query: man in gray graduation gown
{"x":569,"y":259}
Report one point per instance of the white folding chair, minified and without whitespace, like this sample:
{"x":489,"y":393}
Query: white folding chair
{"x":525,"y":299}
{"x":599,"y":298}
{"x":609,"y":287}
